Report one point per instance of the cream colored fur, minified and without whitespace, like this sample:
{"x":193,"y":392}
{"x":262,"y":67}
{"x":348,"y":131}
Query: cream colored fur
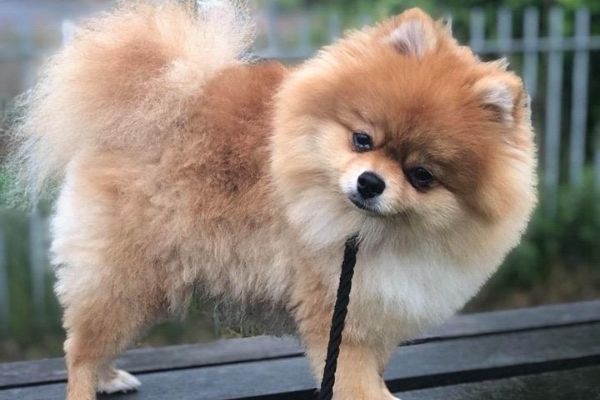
{"x":179,"y":54}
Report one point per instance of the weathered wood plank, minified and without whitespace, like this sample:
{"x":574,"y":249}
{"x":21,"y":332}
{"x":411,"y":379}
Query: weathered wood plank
{"x":412,"y":367}
{"x":163,"y":358}
{"x":494,"y":356}
{"x":515,"y":320}
{"x":260,"y":348}
{"x":575,"y":384}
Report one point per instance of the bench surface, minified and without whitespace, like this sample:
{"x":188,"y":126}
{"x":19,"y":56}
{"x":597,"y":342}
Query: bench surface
{"x":543,"y":353}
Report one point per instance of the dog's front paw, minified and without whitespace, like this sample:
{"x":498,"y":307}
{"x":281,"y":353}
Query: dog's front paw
{"x":118,"y":381}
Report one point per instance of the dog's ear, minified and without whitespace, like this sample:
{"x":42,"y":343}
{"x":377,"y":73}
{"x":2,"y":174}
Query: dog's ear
{"x":501,"y":94}
{"x":413,"y":33}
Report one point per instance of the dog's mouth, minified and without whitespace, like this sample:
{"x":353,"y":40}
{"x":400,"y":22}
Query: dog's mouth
{"x":364,"y":205}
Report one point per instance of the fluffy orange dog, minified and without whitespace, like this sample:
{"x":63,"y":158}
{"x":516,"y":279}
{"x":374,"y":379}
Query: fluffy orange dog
{"x":185,"y":167}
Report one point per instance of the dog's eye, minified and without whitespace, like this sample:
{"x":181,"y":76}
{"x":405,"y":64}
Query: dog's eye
{"x":362,"y":141}
{"x":420,"y":178}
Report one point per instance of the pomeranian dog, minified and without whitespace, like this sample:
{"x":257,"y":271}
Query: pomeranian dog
{"x":185,"y":166}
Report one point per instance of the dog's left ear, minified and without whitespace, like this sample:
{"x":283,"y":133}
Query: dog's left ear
{"x":413,"y":33}
{"x":501,"y":94}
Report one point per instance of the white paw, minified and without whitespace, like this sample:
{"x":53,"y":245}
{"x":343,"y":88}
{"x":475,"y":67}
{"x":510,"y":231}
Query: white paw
{"x":119,"y":381}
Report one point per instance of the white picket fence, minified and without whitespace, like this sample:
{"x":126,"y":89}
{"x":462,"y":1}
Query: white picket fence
{"x":540,"y":57}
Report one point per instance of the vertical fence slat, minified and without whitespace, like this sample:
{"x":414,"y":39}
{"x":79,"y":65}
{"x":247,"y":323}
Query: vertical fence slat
{"x":27,"y":51}
{"x":531,"y":25}
{"x":67,"y":29}
{"x":597,"y":156}
{"x":553,"y":109}
{"x":38,"y":263}
{"x":579,"y":101}
{"x":4,"y":300}
{"x":273,"y":44}
{"x":334,"y":25}
{"x":504,"y":27}
{"x":304,"y":47}
{"x":477,"y":30}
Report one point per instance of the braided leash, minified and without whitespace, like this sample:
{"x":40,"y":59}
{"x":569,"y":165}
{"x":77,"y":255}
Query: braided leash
{"x":339,"y":318}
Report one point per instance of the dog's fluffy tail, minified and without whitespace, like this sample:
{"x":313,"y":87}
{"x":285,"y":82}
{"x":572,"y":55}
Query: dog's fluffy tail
{"x":124,"y":81}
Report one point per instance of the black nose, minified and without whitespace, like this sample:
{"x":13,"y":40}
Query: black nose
{"x":370,"y":185}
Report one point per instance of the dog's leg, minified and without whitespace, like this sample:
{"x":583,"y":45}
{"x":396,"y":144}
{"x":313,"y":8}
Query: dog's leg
{"x":359,"y":371}
{"x":101,"y":320}
{"x":361,"y":360}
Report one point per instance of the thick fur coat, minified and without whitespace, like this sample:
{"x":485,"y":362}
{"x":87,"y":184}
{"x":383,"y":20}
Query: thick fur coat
{"x":183,"y":166}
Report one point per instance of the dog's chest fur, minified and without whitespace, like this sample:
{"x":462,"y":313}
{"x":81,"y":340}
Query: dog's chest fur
{"x":397,"y":292}
{"x":405,"y":290}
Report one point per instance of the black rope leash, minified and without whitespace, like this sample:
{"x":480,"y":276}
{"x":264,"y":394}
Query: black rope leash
{"x":339,"y":318}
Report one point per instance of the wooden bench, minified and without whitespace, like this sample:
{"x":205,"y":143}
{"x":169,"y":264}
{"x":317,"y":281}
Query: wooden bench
{"x":545,"y":353}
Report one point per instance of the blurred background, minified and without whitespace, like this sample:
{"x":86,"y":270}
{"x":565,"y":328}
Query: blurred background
{"x":554,"y":45}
